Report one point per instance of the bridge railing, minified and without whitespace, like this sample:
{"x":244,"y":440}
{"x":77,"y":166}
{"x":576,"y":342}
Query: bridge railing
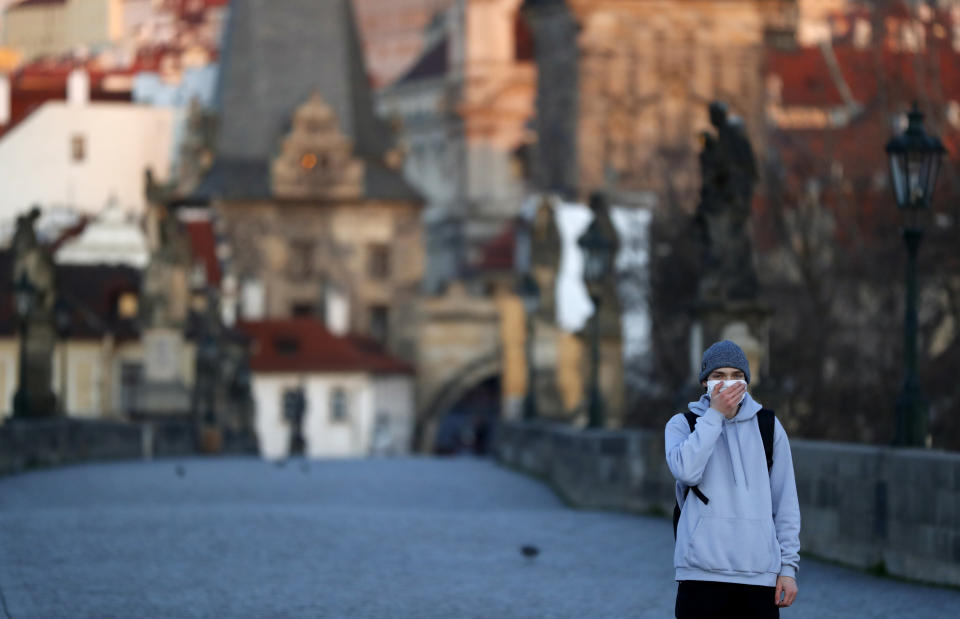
{"x":893,"y":511}
{"x":41,"y":443}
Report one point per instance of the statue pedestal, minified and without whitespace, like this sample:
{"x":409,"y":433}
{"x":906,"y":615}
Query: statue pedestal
{"x":36,"y":395}
{"x":211,"y":439}
{"x":164,"y":391}
{"x":746,"y":323}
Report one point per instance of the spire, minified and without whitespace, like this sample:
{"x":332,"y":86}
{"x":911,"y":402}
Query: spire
{"x":276,"y":55}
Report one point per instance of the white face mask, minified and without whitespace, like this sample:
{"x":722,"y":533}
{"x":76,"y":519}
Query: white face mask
{"x":711,"y":385}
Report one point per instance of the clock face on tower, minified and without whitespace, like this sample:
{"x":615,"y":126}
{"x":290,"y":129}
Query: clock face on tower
{"x":316,"y":160}
{"x":308,"y":161}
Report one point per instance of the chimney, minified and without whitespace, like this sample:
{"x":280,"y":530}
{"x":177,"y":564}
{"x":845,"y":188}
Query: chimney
{"x":5,"y":96}
{"x":78,"y":88}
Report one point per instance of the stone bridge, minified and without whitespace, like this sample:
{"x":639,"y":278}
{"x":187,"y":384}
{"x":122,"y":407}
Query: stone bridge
{"x":419,"y":538}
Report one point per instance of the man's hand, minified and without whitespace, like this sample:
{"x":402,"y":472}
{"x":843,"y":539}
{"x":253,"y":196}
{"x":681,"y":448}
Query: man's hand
{"x":786,"y":589}
{"x":727,"y":402}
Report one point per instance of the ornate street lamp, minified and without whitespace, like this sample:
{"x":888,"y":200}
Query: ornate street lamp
{"x":529,"y":292}
{"x":24,"y":293}
{"x":61,"y":317}
{"x":598,"y":254}
{"x":914,"y":164}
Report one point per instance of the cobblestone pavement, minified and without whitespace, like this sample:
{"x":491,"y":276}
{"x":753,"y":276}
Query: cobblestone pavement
{"x":417,"y":538}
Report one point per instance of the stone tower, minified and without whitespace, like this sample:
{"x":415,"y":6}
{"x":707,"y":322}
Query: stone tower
{"x":306,"y":183}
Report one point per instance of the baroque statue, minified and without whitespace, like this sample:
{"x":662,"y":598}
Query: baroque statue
{"x":729,"y":176}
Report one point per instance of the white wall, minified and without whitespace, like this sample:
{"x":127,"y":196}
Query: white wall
{"x":326,"y":438}
{"x":390,"y":397}
{"x":84,"y":379}
{"x":121,"y":141}
{"x":394,"y":415}
{"x":5,"y":101}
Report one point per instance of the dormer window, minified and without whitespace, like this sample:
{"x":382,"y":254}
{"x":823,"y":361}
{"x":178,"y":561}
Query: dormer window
{"x":286,"y":345}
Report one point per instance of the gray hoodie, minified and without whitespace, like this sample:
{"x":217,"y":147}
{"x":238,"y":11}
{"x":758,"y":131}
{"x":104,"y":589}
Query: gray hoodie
{"x":749,"y":532}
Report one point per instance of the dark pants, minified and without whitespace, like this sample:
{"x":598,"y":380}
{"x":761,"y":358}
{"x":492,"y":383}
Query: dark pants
{"x":722,"y":600}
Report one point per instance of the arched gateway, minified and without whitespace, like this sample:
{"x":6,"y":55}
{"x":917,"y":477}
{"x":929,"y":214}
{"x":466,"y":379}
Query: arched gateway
{"x":459,"y":368}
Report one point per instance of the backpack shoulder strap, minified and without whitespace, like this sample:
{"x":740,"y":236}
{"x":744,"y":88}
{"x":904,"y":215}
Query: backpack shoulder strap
{"x":765,"y":418}
{"x":692,"y":422}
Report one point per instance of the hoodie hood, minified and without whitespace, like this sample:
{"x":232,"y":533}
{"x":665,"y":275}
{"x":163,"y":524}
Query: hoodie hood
{"x":732,"y":432}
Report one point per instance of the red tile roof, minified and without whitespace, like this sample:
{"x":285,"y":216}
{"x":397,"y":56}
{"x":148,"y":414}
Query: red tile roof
{"x":881,"y":65}
{"x":38,"y":83}
{"x":807,"y":81}
{"x":305,"y":345}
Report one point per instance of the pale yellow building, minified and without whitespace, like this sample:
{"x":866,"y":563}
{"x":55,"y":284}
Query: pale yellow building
{"x":51,"y":27}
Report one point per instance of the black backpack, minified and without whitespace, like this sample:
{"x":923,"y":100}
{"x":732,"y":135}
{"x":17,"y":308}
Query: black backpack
{"x":765,"y":419}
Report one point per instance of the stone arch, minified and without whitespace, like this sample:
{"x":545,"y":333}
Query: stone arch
{"x":452,"y":391}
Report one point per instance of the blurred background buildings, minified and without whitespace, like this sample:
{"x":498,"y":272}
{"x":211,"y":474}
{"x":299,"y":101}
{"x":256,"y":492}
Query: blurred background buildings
{"x":309,"y":218}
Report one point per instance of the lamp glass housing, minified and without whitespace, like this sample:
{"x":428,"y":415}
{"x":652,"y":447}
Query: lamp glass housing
{"x":915,"y":159}
{"x":597,"y":255}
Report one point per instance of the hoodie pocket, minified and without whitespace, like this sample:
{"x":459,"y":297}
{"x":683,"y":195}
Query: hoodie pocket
{"x":731,"y":545}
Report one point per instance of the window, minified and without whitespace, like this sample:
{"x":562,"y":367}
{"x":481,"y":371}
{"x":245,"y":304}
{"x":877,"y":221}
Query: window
{"x":303,"y":310}
{"x":301,"y":258}
{"x":379,"y":261}
{"x":339,"y":406}
{"x":379,"y":323}
{"x":78,"y":148}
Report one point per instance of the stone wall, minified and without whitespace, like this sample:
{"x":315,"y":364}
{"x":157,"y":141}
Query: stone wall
{"x":892,"y":510}
{"x":40,"y":443}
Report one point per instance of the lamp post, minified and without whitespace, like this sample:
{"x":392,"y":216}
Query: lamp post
{"x":62,"y":320}
{"x":529,"y":292}
{"x":598,"y":253}
{"x":914,"y":164}
{"x":24,"y":298}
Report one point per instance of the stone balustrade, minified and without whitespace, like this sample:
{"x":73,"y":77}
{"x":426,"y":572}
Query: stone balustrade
{"x":894,"y":511}
{"x":26,"y":444}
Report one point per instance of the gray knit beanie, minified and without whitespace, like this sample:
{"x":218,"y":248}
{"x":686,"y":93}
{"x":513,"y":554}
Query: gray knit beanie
{"x":724,"y":354}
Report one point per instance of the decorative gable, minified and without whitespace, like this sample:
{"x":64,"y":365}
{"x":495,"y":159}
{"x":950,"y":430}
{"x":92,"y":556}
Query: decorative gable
{"x":317,"y":160}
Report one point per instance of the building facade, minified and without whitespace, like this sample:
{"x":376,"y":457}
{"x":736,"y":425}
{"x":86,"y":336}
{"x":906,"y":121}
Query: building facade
{"x":464,"y":108}
{"x":83,"y":154}
{"x":624,"y":87}
{"x":351,"y":399}
{"x":306,"y":181}
{"x":53,"y":27}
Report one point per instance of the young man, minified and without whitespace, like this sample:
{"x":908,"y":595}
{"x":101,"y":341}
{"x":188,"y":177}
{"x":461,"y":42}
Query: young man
{"x":738,"y":541}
